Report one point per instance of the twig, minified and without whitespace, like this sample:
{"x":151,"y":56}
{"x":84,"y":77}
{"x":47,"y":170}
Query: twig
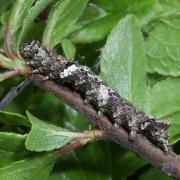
{"x":8,"y":74}
{"x":83,"y":139}
{"x":14,"y":91}
{"x":168,"y":163}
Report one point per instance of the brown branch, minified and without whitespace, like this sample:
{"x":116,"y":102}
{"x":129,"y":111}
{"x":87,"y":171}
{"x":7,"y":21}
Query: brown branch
{"x":168,"y":163}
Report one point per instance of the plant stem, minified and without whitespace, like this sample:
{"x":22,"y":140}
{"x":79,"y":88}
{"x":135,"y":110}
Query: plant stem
{"x":168,"y":163}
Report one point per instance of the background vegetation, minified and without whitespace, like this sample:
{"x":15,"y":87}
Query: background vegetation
{"x":133,"y":44}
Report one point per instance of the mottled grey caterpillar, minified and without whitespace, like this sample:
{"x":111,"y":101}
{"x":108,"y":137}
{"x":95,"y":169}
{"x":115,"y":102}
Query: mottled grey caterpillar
{"x":96,"y":92}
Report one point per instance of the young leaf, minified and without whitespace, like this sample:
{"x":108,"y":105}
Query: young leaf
{"x":61,"y":21}
{"x":16,"y":18}
{"x":162,"y":48}
{"x":14,"y":119}
{"x":123,"y":61}
{"x":46,"y":137}
{"x":68,"y":48}
{"x":33,"y":12}
{"x":37,"y":167}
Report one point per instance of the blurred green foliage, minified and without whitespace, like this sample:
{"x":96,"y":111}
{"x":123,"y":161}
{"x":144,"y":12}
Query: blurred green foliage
{"x":134,"y":45}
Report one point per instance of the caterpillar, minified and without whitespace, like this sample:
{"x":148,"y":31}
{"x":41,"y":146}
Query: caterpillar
{"x":95,"y":91}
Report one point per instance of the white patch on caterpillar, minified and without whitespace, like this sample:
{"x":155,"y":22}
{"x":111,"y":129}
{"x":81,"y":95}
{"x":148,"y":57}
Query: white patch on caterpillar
{"x":103,"y":95}
{"x":68,"y":71}
{"x":42,"y":53}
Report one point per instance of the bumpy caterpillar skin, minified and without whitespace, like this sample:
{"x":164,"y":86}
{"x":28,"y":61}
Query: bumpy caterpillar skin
{"x":96,"y":92}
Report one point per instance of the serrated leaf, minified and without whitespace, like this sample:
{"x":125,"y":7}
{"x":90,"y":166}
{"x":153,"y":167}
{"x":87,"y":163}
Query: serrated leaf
{"x":123,"y":61}
{"x":68,"y":48}
{"x":61,"y":21}
{"x":13,"y":118}
{"x":46,"y":137}
{"x":162,"y":48}
{"x":33,"y":12}
{"x":34,"y":168}
{"x":164,"y":98}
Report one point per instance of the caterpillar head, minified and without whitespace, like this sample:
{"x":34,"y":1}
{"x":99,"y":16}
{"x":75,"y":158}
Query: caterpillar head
{"x":157,"y":132}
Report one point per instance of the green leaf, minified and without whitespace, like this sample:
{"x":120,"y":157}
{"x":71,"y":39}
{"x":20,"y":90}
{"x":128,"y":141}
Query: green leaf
{"x":74,"y":174}
{"x":37,"y":167}
{"x":145,"y":10}
{"x":123,"y":61}
{"x":8,"y":157}
{"x":92,"y":13}
{"x":68,"y":48}
{"x":5,"y":62}
{"x":124,"y":162}
{"x":76,"y":121}
{"x":18,"y":13}
{"x":170,"y":7}
{"x":162,"y":48}
{"x":163,"y":103}
{"x":164,"y":98}
{"x":14,"y":119}
{"x":174,"y":130}
{"x":33,"y":12}
{"x":46,"y":137}
{"x":12,"y":141}
{"x":97,"y":30}
{"x":61,"y":21}
{"x":12,"y":148}
{"x":82,"y":163}
{"x":154,"y":173}
{"x":5,"y":16}
{"x":4,"y":5}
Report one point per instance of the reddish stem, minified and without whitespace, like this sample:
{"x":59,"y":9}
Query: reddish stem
{"x":8,"y":43}
{"x":9,"y":74}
